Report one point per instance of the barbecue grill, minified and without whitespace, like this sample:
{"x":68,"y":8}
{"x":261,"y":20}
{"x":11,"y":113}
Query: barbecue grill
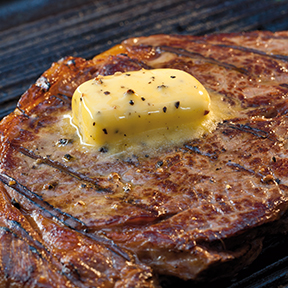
{"x":36,"y":33}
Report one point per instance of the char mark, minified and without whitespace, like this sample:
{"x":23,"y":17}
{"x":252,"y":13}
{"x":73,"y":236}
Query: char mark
{"x":248,"y":129}
{"x":22,"y":111}
{"x":63,"y":168}
{"x":254,"y":51}
{"x":38,"y":201}
{"x":68,"y":220}
{"x":194,"y":55}
{"x":198,"y":151}
{"x":66,"y":99}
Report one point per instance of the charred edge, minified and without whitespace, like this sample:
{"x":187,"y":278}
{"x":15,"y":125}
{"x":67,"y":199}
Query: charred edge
{"x":193,"y":55}
{"x":65,"y":169}
{"x":55,"y":213}
{"x":254,"y":131}
{"x":22,"y":111}
{"x":254,"y":51}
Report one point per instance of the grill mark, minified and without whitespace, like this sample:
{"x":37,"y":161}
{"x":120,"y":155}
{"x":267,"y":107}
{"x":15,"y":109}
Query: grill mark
{"x":254,"y":51}
{"x":198,"y":151}
{"x":63,"y":168}
{"x":37,"y":248}
{"x":54,"y":213}
{"x":254,"y":131}
{"x":245,"y":49}
{"x":66,"y":99}
{"x":22,"y":111}
{"x":193,"y":55}
{"x":44,"y":205}
{"x":24,"y":234}
{"x":237,"y":166}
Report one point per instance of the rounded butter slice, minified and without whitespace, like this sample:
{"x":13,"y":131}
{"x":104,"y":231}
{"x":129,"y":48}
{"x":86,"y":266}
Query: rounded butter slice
{"x":140,"y":104}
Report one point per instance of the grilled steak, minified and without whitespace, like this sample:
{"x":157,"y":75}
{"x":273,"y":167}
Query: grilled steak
{"x":72,"y":216}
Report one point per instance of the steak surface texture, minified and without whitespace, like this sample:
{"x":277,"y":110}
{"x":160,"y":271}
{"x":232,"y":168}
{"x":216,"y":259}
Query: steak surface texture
{"x":73,"y":216}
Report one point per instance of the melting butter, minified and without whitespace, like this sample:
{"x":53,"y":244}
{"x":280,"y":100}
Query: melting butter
{"x":146,"y":107}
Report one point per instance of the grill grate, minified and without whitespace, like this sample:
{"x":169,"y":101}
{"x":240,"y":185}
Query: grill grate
{"x":29,"y":49}
{"x":90,"y":27}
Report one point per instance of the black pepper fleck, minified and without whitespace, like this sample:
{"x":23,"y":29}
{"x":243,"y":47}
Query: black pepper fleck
{"x":106,"y":92}
{"x":64,"y":141}
{"x":103,"y":150}
{"x":206,"y":112}
{"x":15,"y":203}
{"x":130,"y":91}
{"x":164,"y":109}
{"x":143,"y":99}
{"x":172,"y":76}
{"x":274,"y":159}
{"x":177,"y":104}
{"x":94,"y":123}
{"x":160,"y":163}
{"x":67,"y":157}
{"x":131,"y":102}
{"x":162,"y":86}
{"x":105,"y":131}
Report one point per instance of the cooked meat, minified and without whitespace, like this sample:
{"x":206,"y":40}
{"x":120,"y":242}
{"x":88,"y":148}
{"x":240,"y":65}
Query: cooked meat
{"x":78,"y":217}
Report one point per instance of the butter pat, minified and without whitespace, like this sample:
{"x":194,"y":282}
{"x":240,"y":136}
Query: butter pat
{"x":138,"y":105}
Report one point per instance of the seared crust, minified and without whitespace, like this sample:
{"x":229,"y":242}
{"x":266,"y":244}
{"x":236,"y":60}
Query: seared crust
{"x":187,"y":211}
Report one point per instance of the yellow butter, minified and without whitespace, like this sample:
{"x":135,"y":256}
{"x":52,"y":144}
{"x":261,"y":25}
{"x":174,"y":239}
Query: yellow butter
{"x":138,"y":105}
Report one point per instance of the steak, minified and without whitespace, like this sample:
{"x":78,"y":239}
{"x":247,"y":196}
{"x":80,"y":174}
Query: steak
{"x":72,"y":216}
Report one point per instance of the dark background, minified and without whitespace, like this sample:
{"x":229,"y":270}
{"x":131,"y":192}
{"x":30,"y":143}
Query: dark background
{"x":35,"y":33}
